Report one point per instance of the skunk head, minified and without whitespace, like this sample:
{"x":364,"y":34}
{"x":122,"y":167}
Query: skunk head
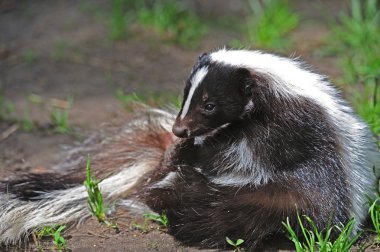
{"x":215,"y":95}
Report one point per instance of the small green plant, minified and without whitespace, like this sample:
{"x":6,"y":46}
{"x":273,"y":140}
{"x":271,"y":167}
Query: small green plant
{"x":235,"y":244}
{"x":36,"y":99}
{"x":56,"y":233}
{"x":30,"y":56}
{"x":118,"y":24}
{"x":95,"y":198}
{"x":177,"y":102}
{"x":58,"y":239}
{"x":26,"y":122}
{"x":144,"y":227}
{"x":60,"y":50}
{"x":161,"y":219}
{"x":6,"y":108}
{"x":269,"y":24}
{"x":133,"y":100}
{"x":169,"y":19}
{"x":367,"y":103}
{"x":60,"y":117}
{"x":129,"y":101}
{"x":355,"y":39}
{"x":315,"y":240}
{"x":45,"y":231}
{"x":172,"y":22}
{"x":374,"y":212}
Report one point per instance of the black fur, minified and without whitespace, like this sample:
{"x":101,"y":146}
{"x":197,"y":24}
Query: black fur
{"x":219,"y":81}
{"x":291,"y":138}
{"x":30,"y":186}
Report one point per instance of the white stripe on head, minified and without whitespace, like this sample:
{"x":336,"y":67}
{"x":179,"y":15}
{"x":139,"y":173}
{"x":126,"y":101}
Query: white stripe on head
{"x":195,"y":81}
{"x":287,"y":76}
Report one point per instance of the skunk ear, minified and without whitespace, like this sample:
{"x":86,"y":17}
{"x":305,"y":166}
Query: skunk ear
{"x":247,"y":81}
{"x":202,"y":59}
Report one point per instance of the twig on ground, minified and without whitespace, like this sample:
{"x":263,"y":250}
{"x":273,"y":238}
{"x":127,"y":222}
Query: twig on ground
{"x":9,"y":132}
{"x":99,"y":235}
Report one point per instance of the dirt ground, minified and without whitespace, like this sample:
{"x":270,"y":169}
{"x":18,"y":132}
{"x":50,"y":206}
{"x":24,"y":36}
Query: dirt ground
{"x":74,"y":57}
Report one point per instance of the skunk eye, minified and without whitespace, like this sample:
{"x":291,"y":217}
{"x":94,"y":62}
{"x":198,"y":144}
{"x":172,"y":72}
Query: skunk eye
{"x":209,"y":107}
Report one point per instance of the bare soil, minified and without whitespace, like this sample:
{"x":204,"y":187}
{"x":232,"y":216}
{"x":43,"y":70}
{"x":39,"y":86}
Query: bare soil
{"x":75,"y":57}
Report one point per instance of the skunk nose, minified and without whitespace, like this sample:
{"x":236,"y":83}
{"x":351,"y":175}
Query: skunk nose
{"x":180,"y":131}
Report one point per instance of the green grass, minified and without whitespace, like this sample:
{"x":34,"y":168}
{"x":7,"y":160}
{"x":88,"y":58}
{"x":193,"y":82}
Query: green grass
{"x":133,"y":100}
{"x":115,"y":17}
{"x":118,"y":22}
{"x":269,"y":25}
{"x":35,"y":99}
{"x":58,"y":239}
{"x":95,"y":198}
{"x":56,"y":233}
{"x":235,"y":244}
{"x":30,"y":56}
{"x":60,"y":51}
{"x":374,"y":212}
{"x":129,"y":101}
{"x":355,"y":39}
{"x":172,"y":22}
{"x":160,"y":219}
{"x":367,"y":103}
{"x":26,"y":123}
{"x":166,"y":18}
{"x":357,"y":35}
{"x":315,"y":240}
{"x":60,"y":117}
{"x":143,"y":228}
{"x":6,"y":108}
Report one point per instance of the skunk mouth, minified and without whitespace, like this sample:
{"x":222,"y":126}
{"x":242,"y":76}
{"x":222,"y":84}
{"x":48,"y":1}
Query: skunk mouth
{"x":183,"y":131}
{"x":203,"y":134}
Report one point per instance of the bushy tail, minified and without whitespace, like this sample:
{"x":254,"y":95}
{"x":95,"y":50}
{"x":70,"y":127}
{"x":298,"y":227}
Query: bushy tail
{"x":124,"y":161}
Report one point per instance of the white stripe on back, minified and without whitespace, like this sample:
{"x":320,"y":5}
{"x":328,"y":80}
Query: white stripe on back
{"x":197,"y":78}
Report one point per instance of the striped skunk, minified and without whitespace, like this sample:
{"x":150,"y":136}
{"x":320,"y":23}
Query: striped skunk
{"x":258,"y":138}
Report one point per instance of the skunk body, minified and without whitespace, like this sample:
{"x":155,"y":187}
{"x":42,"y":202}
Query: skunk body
{"x":260,"y":137}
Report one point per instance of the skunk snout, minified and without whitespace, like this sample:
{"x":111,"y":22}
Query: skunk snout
{"x":180,"y":131}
